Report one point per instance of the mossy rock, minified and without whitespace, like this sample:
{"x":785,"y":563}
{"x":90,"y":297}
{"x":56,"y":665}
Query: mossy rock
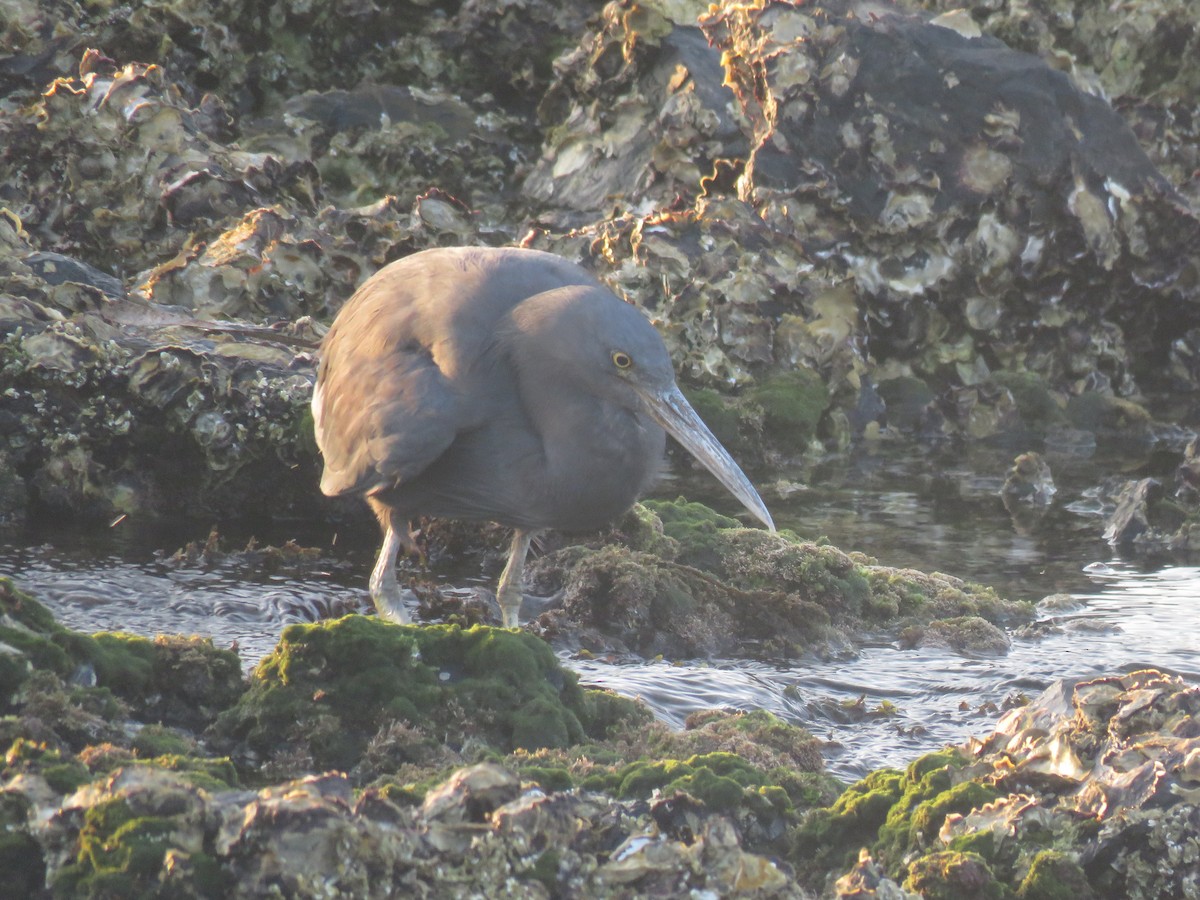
{"x":22,"y":868}
{"x":930,"y":794}
{"x":693,"y":525}
{"x":210,"y":774}
{"x":1055,"y":876}
{"x":328,"y":688}
{"x":61,"y":770}
{"x":829,"y":839}
{"x":905,"y":398}
{"x":122,"y":853}
{"x":1095,"y":411}
{"x":792,"y":403}
{"x":729,"y":590}
{"x":949,"y":875}
{"x":177,"y":680}
{"x":1038,"y":404}
{"x":894,"y":814}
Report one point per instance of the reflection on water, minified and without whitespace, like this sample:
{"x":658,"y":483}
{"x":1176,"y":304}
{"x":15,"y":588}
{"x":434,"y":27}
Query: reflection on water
{"x":906,"y":508}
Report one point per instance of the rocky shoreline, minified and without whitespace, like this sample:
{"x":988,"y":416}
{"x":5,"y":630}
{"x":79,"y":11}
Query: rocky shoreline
{"x":367,"y":759}
{"x":851,"y":222}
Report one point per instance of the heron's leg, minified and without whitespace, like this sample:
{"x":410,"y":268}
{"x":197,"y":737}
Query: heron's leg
{"x":508,"y":594}
{"x":385,"y":590}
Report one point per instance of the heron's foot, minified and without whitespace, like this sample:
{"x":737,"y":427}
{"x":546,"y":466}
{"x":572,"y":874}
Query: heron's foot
{"x":509,"y":598}
{"x":394,"y":607}
{"x":533,"y":606}
{"x":386,"y":594}
{"x":389,"y":598}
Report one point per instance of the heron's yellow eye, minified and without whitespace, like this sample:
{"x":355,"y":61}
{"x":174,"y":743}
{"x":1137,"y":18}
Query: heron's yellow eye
{"x":622,"y":360}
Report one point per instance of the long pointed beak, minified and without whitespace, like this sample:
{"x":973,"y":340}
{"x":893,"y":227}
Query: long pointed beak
{"x":672,"y":411}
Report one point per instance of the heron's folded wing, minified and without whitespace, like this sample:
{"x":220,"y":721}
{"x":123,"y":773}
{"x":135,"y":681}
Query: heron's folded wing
{"x":382,"y":420}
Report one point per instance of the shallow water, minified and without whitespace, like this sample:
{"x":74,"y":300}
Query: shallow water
{"x":905,"y":506}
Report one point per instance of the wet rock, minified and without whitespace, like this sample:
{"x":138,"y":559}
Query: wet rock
{"x":1080,"y":788}
{"x":1091,"y":785}
{"x":1145,"y":518}
{"x":119,"y":410}
{"x":1129,"y":522}
{"x":1187,"y":476}
{"x":1144,"y":61}
{"x":637,"y":114}
{"x":969,"y":635}
{"x":972,"y":108}
{"x":1029,"y":481}
{"x":54,"y":269}
{"x":866,"y":880}
{"x":173,"y":680}
{"x":1028,"y":491}
{"x":471,"y":794}
{"x":778,"y":253}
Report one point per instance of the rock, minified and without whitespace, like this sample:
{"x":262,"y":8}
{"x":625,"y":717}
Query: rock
{"x":1029,"y":481}
{"x":969,"y":635}
{"x":1028,"y":491}
{"x":316,"y":699}
{"x":1091,"y":785}
{"x":712,"y":587}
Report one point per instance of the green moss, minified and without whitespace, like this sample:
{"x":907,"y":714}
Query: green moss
{"x":66,"y":777}
{"x":639,"y":779}
{"x":209,"y":773}
{"x":1054,"y":876}
{"x":693,"y":525}
{"x":982,"y":843}
{"x":1094,"y":411}
{"x":929,"y":796}
{"x":933,"y":762}
{"x":120,"y":854}
{"x":604,"y":712}
{"x":23,"y":610}
{"x":792,"y":404}
{"x":1036,"y":402}
{"x":124,"y":662}
{"x":172,"y":679}
{"x":953,"y":876}
{"x":642,"y":529}
{"x":906,"y":398}
{"x":328,"y":688}
{"x":929,"y":816}
{"x":829,"y":839}
{"x":156,"y":740}
{"x":895,"y":815}
{"x":720,"y":792}
{"x":550,"y":778}
{"x":62,"y":772}
{"x":721,"y":780}
{"x":544,"y":722}
{"x":545,"y":870}
{"x":14,"y":669}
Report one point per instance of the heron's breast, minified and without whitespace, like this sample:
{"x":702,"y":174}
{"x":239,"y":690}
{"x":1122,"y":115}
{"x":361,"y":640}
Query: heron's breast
{"x":607,"y":468}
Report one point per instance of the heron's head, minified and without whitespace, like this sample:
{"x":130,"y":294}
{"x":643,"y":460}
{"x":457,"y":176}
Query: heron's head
{"x":588,"y":335}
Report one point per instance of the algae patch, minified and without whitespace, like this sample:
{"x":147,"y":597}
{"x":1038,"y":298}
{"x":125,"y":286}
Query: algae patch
{"x":328,"y":689}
